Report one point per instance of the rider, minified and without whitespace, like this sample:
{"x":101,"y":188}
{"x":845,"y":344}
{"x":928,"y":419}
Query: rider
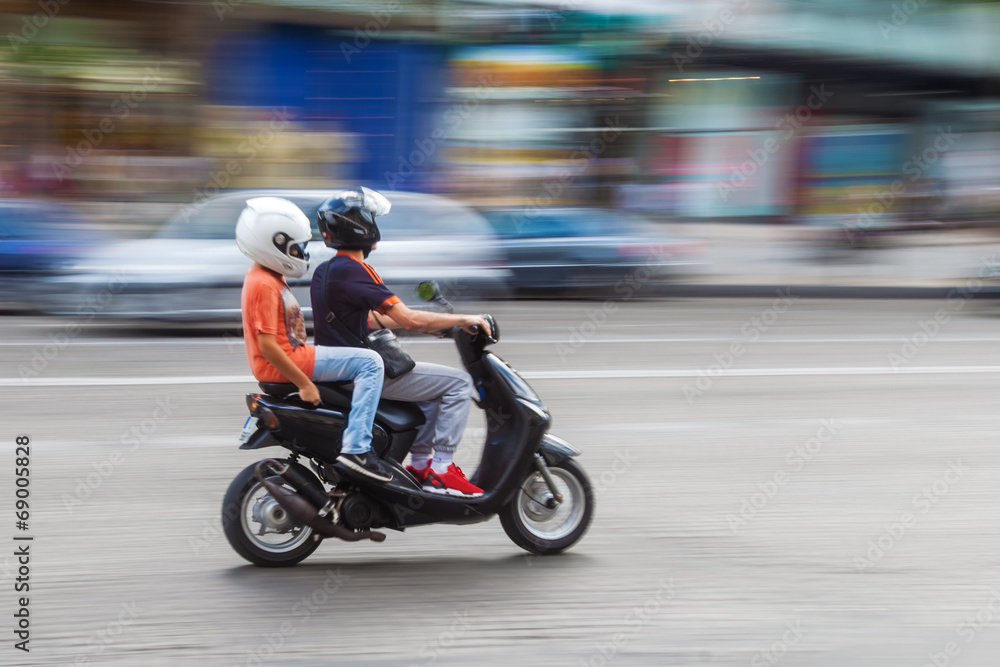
{"x":273,"y":232}
{"x":356,"y":295}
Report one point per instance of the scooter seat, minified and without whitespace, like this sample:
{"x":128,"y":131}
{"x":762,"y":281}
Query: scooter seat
{"x":397,"y":415}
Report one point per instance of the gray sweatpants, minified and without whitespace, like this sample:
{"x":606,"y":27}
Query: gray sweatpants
{"x":444,"y":395}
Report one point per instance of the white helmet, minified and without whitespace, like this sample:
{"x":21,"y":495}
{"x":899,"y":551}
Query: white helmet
{"x":274,"y":232}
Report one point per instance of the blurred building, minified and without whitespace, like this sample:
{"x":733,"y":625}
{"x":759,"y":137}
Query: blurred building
{"x":98,"y":100}
{"x":723,"y":109}
{"x":823,"y":111}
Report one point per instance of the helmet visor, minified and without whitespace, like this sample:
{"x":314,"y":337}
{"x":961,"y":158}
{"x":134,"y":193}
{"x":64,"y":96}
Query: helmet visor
{"x":367,"y":200}
{"x":298,"y":251}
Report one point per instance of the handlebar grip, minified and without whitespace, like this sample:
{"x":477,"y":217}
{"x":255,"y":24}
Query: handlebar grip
{"x":493,"y":327}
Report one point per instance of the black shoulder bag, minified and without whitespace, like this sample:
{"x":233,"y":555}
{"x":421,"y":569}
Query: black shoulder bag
{"x":395,"y":359}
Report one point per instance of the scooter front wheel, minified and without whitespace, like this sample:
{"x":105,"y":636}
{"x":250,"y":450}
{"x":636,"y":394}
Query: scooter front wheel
{"x":258,"y":528}
{"x":536,"y":524}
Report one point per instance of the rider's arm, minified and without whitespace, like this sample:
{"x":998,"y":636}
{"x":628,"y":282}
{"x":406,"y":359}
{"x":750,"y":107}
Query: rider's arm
{"x":429,"y":322}
{"x":268,"y":346}
{"x":380,"y":321}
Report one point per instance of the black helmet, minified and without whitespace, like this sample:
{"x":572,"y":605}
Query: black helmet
{"x":347,"y":219}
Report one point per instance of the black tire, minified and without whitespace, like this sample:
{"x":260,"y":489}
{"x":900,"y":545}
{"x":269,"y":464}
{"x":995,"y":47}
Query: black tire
{"x":529,"y":538}
{"x":233,"y":523}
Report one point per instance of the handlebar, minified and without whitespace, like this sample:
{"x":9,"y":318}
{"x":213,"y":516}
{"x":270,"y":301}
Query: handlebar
{"x":493,"y":338}
{"x":476,"y":330}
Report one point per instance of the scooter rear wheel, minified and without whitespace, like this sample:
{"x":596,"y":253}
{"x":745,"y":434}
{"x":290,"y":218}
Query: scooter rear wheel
{"x":259,"y":529}
{"x":534,"y":526}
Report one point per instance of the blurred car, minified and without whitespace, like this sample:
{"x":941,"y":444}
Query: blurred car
{"x":37,"y":240}
{"x":586,"y":249}
{"x":192,"y":270}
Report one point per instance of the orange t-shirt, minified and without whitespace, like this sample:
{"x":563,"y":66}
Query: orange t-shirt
{"x":270,"y":307}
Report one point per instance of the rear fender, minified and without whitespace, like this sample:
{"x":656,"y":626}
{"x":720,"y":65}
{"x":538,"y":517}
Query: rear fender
{"x":260,"y":439}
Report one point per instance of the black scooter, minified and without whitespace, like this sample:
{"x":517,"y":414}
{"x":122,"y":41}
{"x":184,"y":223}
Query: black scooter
{"x":277,"y":511}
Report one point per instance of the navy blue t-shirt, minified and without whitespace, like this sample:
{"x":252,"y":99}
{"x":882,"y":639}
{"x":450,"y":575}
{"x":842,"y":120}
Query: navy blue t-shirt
{"x":352,"y":290}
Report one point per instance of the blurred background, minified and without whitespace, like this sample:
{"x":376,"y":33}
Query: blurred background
{"x":716,"y":142}
{"x":571,"y":167}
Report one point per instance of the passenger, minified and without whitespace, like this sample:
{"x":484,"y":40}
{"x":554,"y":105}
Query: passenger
{"x":273,"y":232}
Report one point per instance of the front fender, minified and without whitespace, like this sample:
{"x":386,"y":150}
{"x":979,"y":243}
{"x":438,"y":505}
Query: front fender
{"x":556,"y":450}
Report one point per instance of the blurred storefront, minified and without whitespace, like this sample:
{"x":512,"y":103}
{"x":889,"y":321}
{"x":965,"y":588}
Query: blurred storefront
{"x":969,"y":171}
{"x":357,"y":107}
{"x":517,"y":110}
{"x":714,"y":110}
{"x":806,"y":141}
{"x":126,"y":100}
{"x":96,"y":103}
{"x":812,"y":112}
{"x":713,"y":148}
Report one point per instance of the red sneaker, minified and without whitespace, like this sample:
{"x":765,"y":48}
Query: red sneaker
{"x":421,"y":474}
{"x":452,"y":483}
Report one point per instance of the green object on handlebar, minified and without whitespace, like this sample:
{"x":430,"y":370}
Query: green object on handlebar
{"x":428,"y":291}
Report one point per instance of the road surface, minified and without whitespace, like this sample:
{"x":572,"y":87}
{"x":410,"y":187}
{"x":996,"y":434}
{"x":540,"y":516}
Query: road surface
{"x":779,"y":481}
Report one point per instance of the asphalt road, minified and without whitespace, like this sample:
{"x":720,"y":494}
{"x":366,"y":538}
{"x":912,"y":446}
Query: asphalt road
{"x":778,"y":483}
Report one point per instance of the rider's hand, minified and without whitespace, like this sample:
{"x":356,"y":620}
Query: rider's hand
{"x":476,"y":321}
{"x":309,"y":394}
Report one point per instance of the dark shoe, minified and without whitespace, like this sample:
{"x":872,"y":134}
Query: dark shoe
{"x":367,"y":464}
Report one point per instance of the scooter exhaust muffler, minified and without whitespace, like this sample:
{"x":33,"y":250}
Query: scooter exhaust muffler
{"x":303,"y":510}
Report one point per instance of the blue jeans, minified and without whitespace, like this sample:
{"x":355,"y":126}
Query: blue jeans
{"x":364,"y":368}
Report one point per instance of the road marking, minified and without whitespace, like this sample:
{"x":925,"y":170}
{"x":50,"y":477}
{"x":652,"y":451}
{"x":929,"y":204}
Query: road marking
{"x":236,"y":342}
{"x":756,"y":372}
{"x":745,"y":341}
{"x":530,"y":375}
{"x":749,"y":424}
{"x":840,"y":609}
{"x":124,"y":381}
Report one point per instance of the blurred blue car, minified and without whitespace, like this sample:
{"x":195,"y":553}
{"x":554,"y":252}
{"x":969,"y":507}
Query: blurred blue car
{"x":37,"y":240}
{"x":586,"y":250}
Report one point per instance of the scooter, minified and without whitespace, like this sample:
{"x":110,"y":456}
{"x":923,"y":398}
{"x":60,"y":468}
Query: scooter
{"x":277,"y":511}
